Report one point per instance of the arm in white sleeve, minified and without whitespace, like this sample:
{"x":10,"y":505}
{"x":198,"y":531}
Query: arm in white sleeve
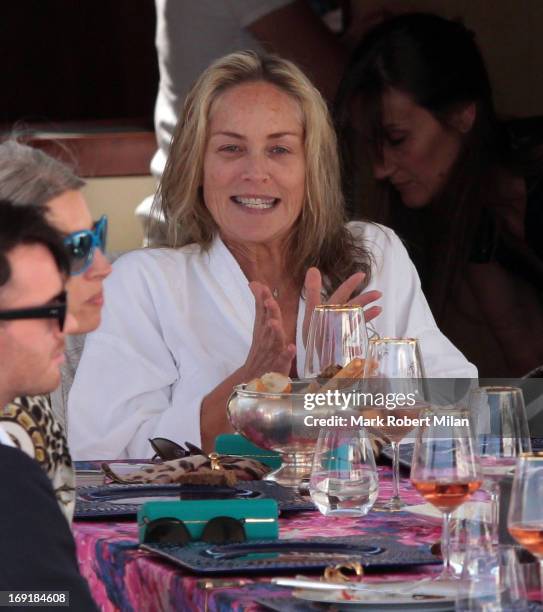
{"x":122,"y":392}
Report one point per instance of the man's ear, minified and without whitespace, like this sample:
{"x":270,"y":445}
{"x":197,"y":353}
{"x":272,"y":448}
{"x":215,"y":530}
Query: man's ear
{"x":463,"y":118}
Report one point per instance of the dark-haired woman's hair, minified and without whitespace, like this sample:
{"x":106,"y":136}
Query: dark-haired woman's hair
{"x":26,"y":225}
{"x":439,"y":65}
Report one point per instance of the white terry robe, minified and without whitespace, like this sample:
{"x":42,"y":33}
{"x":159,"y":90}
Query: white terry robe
{"x":176,"y":322}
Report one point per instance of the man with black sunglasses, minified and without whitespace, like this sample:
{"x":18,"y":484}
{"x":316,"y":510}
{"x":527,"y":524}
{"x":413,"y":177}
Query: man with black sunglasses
{"x":33,"y":319}
{"x":36,"y":547}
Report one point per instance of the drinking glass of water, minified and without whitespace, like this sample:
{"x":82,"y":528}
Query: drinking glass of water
{"x":344,"y":478}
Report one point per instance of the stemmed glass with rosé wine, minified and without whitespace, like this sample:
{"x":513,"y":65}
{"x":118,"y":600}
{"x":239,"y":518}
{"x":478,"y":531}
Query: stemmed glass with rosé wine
{"x":394,"y":370}
{"x":445,"y":469}
{"x":525,"y":520}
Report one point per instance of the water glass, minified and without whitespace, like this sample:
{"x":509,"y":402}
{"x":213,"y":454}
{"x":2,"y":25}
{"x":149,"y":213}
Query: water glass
{"x":344,"y":478}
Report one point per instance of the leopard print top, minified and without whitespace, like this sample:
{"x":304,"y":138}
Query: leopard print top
{"x":31,"y":424}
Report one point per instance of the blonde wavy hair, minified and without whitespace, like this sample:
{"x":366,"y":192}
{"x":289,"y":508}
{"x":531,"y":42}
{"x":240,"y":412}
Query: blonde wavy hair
{"x":319,"y":237}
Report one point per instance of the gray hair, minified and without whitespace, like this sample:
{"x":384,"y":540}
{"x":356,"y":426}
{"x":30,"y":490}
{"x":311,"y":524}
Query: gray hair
{"x":30,"y":176}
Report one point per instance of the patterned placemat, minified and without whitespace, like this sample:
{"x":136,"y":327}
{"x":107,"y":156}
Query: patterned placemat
{"x":277,"y":556}
{"x":116,"y":501}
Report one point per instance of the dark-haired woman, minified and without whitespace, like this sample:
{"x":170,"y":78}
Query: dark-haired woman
{"x":463,"y":189}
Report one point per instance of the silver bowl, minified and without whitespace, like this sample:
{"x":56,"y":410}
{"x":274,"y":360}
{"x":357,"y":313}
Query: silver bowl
{"x":276,"y":421}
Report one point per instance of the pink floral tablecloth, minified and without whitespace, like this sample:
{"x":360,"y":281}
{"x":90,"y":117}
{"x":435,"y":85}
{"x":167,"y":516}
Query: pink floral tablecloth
{"x":121,"y":577}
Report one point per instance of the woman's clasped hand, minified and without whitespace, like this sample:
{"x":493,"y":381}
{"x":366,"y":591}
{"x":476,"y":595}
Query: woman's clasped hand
{"x":270,"y":351}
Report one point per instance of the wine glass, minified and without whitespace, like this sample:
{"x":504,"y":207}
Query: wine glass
{"x":337,"y":335}
{"x":394,"y":369}
{"x":344,"y":478}
{"x":498,"y":579}
{"x":501,"y":434}
{"x":445,"y":468}
{"x":525,"y":520}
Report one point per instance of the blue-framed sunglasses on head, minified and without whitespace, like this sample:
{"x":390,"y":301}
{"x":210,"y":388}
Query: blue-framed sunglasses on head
{"x":81,"y":246}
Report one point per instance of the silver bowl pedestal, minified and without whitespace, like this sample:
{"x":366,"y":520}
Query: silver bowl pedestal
{"x":277,"y":421}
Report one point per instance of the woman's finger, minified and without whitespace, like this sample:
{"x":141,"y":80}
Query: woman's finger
{"x":277,"y":334}
{"x":312,"y":291}
{"x":363,"y":299}
{"x":313,"y":286}
{"x":273,"y":312}
{"x":283,"y":362}
{"x":273,"y":309}
{"x":344,"y":292}
{"x":260,"y":311}
{"x":274,"y":315}
{"x":372,"y":313}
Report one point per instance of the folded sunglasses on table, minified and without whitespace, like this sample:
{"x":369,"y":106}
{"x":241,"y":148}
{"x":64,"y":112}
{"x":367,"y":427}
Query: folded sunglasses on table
{"x":214,"y":521}
{"x":168,"y":450}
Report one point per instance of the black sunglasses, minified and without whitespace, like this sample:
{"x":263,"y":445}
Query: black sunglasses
{"x":218,"y":530}
{"x":167,"y":450}
{"x":54,"y":310}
